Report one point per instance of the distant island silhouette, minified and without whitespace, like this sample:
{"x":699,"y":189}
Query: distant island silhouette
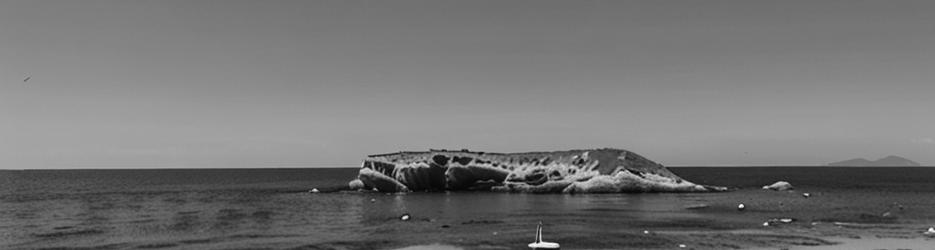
{"x":889,"y":161}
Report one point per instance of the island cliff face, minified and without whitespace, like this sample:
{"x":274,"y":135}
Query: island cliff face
{"x":571,"y":171}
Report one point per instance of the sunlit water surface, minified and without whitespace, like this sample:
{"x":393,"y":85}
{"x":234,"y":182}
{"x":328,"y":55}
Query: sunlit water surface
{"x":272,"y":209}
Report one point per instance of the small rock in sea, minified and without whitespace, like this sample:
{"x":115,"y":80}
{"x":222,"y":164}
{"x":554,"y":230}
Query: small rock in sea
{"x":445,"y":226}
{"x":405,"y":217}
{"x":314,"y":190}
{"x":696,"y":206}
{"x":806,"y":195}
{"x":356,"y":184}
{"x":741,"y":207}
{"x":779,"y":186}
{"x":774,"y":221}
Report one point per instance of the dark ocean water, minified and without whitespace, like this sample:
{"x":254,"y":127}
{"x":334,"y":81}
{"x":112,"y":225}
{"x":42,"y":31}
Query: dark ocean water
{"x":271,"y":209}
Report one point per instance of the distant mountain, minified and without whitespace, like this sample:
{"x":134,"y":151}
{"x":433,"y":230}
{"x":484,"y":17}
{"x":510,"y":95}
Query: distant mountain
{"x":889,"y":161}
{"x":852,"y":162}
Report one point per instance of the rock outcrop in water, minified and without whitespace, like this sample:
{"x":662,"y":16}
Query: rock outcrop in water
{"x":779,"y":186}
{"x":572,"y":171}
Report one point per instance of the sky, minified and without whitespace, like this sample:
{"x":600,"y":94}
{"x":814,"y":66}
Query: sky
{"x":204,"y":84}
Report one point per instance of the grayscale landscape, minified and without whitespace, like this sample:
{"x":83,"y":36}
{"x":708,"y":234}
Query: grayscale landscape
{"x":461,"y":125}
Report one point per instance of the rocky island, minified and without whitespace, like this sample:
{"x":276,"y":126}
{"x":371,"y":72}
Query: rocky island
{"x":572,"y":171}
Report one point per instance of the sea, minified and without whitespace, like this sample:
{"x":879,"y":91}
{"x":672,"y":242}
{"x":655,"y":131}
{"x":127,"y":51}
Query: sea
{"x":276,"y":209}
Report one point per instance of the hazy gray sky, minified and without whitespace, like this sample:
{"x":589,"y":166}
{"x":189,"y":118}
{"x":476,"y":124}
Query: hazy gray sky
{"x":323,"y":83}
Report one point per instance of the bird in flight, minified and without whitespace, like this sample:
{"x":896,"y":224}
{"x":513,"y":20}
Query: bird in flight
{"x":27,"y":78}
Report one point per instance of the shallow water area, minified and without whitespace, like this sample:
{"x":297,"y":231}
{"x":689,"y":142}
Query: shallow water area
{"x":272,"y":209}
{"x":873,"y":243}
{"x":431,"y":247}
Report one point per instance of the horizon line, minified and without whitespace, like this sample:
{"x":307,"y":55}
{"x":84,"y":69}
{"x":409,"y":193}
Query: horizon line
{"x":348,"y":167}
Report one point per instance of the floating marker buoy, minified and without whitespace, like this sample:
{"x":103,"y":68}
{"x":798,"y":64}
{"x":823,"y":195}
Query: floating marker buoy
{"x":741,"y":207}
{"x":931,"y":231}
{"x":766,"y":223}
{"x":645,"y":231}
{"x":806,"y":195}
{"x":373,"y":199}
{"x":786,"y":220}
{"x":314,"y":190}
{"x":682,"y":246}
{"x":405,"y":217}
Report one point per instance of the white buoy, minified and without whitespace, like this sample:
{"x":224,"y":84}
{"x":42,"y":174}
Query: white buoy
{"x":682,"y":246}
{"x":539,"y":244}
{"x":806,"y":195}
{"x":405,"y":217}
{"x":314,"y":190}
{"x":766,"y":224}
{"x":645,"y":231}
{"x":931,"y":231}
{"x":741,"y":207}
{"x":373,"y":199}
